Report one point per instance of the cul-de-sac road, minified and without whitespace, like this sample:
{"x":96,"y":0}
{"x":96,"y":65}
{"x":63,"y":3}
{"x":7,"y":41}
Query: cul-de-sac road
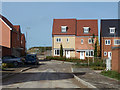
{"x":50,"y":74}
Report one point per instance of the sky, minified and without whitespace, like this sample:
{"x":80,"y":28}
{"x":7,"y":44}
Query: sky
{"x":36,"y":18}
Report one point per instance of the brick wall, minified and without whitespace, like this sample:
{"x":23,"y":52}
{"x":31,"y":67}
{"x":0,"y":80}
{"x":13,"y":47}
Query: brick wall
{"x":116,"y":59}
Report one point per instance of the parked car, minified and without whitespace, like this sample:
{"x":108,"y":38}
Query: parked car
{"x":31,"y":59}
{"x":12,"y":59}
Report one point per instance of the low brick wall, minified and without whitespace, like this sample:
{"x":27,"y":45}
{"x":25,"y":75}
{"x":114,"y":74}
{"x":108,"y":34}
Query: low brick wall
{"x":116,"y":59}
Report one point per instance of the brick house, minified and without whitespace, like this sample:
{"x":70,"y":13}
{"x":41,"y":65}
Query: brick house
{"x":11,"y":38}
{"x":84,"y":34}
{"x":110,"y":41}
{"x":75,"y":37}
{"x":63,"y":32}
{"x":110,"y":37}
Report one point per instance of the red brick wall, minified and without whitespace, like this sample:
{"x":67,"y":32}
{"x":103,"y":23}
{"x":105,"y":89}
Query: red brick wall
{"x":6,"y":51}
{"x":116,"y":60}
{"x":107,"y":48}
{"x":84,"y":46}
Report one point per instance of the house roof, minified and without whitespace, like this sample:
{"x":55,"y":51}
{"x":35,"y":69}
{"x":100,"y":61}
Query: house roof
{"x":75,"y":27}
{"x":7,"y":22}
{"x":92,"y":24}
{"x":17,"y":27}
{"x":106,"y":24}
{"x":70,"y":23}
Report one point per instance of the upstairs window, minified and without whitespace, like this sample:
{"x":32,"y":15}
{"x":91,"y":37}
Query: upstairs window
{"x":63,"y":29}
{"x":112,"y":30}
{"x":107,"y":42}
{"x":90,"y":41}
{"x":58,"y":39}
{"x":86,"y":29}
{"x":67,"y":39}
{"x":117,"y":42}
{"x":81,"y":41}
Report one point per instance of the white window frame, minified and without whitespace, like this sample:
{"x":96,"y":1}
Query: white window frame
{"x":59,"y":40}
{"x":82,"y":41}
{"x":55,"y":54}
{"x":112,"y":30}
{"x":67,"y":40}
{"x":105,"y":53}
{"x":88,"y":53}
{"x":89,"y":42}
{"x":63,"y":29}
{"x":107,"y":42}
{"x":115,"y":41}
{"x":86,"y":29}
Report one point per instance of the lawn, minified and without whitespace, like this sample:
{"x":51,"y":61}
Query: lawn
{"x":111,"y":74}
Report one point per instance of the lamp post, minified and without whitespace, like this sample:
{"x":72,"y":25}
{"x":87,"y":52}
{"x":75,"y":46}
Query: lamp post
{"x":27,"y":28}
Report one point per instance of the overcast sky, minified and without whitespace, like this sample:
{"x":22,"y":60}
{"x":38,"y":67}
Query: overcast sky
{"x":37,"y":18}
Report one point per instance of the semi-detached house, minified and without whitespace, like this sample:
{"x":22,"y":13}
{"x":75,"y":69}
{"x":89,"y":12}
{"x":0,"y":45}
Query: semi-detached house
{"x":75,"y":37}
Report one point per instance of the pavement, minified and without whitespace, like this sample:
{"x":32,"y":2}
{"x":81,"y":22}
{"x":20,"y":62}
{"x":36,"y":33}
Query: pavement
{"x":96,"y":79}
{"x":50,"y":74}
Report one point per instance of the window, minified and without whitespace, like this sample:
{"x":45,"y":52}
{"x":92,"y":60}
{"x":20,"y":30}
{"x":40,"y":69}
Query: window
{"x":105,"y":53}
{"x":86,"y":29}
{"x":81,"y":41}
{"x":90,"y":41}
{"x":117,"y":42}
{"x":58,"y":39}
{"x":63,"y":29}
{"x":18,"y":37}
{"x":67,"y":39}
{"x":112,"y":30}
{"x":89,"y":53}
{"x":56,"y":52}
{"x":107,"y":42}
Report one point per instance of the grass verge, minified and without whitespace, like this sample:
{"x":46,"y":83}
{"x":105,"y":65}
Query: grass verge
{"x":111,"y":74}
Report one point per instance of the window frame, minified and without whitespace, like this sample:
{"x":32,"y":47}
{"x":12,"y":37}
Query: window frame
{"x":89,"y":42}
{"x":86,"y":30}
{"x":112,"y":28}
{"x":63,"y":27}
{"x":55,"y":52}
{"x":82,"y":41}
{"x":67,"y":40}
{"x":89,"y":53}
{"x":107,"y":42}
{"x":104,"y":53}
{"x":116,"y":40}
{"x":58,"y":40}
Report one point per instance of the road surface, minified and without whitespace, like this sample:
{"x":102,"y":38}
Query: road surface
{"x":50,"y":74}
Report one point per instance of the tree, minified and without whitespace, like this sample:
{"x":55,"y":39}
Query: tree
{"x":95,"y":50}
{"x":61,"y":51}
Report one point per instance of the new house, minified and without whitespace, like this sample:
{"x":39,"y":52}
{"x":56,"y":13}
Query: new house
{"x":110,"y":36}
{"x":10,"y":41}
{"x":63,"y":33}
{"x":86,"y":34}
{"x":110,"y":41}
{"x":75,"y":36}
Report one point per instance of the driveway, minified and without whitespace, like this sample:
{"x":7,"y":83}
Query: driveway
{"x":50,"y":74}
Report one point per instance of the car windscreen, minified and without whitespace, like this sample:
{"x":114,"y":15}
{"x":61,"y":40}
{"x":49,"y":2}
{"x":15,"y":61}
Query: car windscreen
{"x":30,"y":57}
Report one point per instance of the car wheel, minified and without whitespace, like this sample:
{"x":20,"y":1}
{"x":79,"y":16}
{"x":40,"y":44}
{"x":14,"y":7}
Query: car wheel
{"x":15,"y":63}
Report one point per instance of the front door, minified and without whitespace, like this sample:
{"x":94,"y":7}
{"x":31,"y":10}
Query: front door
{"x":67,"y":54}
{"x":82,"y":55}
{"x":110,"y":55}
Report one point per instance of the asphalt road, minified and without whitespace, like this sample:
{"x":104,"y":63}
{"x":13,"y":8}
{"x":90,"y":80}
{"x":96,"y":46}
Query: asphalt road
{"x":50,"y":74}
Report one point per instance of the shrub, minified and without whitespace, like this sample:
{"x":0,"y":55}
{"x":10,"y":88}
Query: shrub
{"x":111,"y":74}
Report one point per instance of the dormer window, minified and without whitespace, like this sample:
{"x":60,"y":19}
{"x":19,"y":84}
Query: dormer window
{"x":63,"y":29}
{"x":86,"y":29}
{"x":112,"y":30}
